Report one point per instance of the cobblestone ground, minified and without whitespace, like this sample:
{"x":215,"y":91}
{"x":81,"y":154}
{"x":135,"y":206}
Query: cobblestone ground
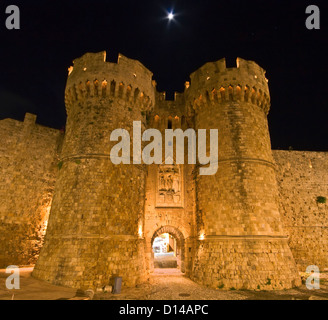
{"x":32,"y":289}
{"x":170,"y":284}
{"x":164,"y":284}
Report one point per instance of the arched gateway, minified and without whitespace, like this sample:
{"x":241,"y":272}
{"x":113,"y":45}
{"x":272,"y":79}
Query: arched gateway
{"x":180,"y":243}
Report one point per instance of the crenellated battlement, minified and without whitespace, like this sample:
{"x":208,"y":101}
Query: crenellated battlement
{"x":214,"y":82}
{"x":92,"y":76}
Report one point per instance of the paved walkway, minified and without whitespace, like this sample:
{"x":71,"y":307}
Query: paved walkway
{"x":32,"y":289}
{"x":165,"y":260}
{"x":164,"y":284}
{"x":171,"y":284}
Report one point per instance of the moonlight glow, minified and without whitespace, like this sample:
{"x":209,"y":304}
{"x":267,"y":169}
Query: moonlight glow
{"x":170,"y":16}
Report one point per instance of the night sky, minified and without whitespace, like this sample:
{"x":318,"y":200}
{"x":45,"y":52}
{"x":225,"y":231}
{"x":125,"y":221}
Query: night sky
{"x":34,"y":60}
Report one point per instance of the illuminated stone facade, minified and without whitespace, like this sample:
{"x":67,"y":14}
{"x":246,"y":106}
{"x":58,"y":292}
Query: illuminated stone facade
{"x":29,"y":155}
{"x":231,"y":228}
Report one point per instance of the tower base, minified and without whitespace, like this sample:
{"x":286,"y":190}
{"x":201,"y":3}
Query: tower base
{"x":90,"y":262}
{"x":251,"y":263}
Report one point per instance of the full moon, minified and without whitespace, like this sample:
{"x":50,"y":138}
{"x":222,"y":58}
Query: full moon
{"x":171,"y":16}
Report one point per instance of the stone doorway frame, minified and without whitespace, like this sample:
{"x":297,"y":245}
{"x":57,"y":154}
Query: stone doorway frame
{"x":180,"y":239}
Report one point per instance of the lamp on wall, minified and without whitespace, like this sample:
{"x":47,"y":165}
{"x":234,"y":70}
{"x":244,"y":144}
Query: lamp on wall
{"x":140,"y":233}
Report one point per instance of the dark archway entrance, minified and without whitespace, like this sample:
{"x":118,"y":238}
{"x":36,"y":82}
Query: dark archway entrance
{"x":177,"y":246}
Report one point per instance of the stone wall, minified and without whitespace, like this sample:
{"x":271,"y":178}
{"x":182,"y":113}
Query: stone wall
{"x":28,"y":168}
{"x":302,"y":177}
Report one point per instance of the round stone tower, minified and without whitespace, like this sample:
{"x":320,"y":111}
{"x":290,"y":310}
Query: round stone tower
{"x":96,"y":220}
{"x":241,"y":243}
